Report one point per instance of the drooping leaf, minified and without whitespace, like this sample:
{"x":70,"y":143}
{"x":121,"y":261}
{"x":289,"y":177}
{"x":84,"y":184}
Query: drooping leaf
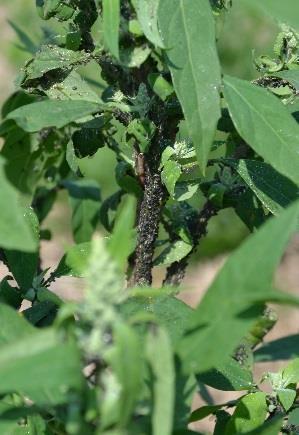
{"x":249,"y":414}
{"x":274,"y":190}
{"x":111,"y":22}
{"x":203,"y":412}
{"x":10,"y":295}
{"x":242,"y":285}
{"x":85,"y":199}
{"x":265,"y":124}
{"x":52,"y":113}
{"x":147,"y":14}
{"x":286,"y":12}
{"x":195,"y":72}
{"x":160,"y":357}
{"x":15,"y":232}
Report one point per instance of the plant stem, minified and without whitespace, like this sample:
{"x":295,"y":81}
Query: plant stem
{"x":176,"y":271}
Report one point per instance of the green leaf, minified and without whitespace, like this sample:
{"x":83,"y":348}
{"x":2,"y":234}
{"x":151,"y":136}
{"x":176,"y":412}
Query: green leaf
{"x":290,"y":374}
{"x":170,"y":174}
{"x":170,"y":312}
{"x":147,"y":14}
{"x":173,"y":253}
{"x":195,"y":72}
{"x":51,"y":113}
{"x":126,"y":359}
{"x":85,"y":197}
{"x":160,"y":357}
{"x":15,"y":232}
{"x":25,"y":365}
{"x":292,"y":76}
{"x":228,"y":376}
{"x":265,"y":124}
{"x":10,"y":295}
{"x":284,"y":348}
{"x":286,"y":12}
{"x":275,"y":191}
{"x":160,"y":86}
{"x":13,"y":326}
{"x":111,"y":22}
{"x":51,"y":58}
{"x":23,"y":265}
{"x":242,"y":286}
{"x":75,"y":261}
{"x":73,"y":87}
{"x":271,"y":427}
{"x":250,"y":413}
{"x":294,"y":417}
{"x":286,"y":397}
{"x":123,"y":239}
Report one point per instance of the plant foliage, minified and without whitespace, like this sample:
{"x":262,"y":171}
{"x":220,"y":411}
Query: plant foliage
{"x":189,"y":142}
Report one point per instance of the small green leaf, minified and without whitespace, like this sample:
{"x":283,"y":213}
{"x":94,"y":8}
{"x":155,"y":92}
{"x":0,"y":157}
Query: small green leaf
{"x":160,"y":357}
{"x":290,"y":374}
{"x":250,"y":413}
{"x":170,"y":174}
{"x":265,"y":124}
{"x":195,"y":73}
{"x":286,"y":397}
{"x":284,"y":348}
{"x":51,"y":113}
{"x":160,"y":86}
{"x":173,"y":253}
{"x":111,"y":22}
{"x":203,"y":412}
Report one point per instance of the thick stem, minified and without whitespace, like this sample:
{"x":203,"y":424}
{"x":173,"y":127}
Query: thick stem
{"x":176,"y":271}
{"x":148,"y":226}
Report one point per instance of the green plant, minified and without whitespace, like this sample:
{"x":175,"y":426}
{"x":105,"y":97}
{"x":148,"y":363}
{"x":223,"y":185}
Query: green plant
{"x":188,"y":142}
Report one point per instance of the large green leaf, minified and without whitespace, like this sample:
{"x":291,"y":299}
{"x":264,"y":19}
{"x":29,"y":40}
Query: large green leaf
{"x":111,"y":21}
{"x":188,"y":32}
{"x":15,"y":232}
{"x":52,"y":113}
{"x":274,"y":190}
{"x":41,"y":366}
{"x":159,"y":353}
{"x":265,"y":124}
{"x":286,"y":11}
{"x":242,"y":285}
{"x":271,"y":427}
{"x":147,"y":14}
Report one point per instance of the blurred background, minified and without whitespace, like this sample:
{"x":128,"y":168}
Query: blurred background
{"x":242,"y":34}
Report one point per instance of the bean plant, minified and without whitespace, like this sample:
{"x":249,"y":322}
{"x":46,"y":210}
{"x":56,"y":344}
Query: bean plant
{"x":189,"y":141}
